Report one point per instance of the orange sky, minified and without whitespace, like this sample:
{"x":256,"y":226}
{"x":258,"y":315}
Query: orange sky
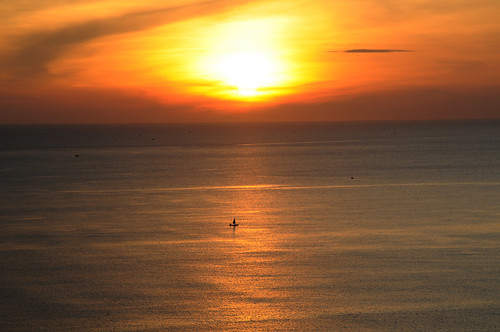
{"x":218,"y":60}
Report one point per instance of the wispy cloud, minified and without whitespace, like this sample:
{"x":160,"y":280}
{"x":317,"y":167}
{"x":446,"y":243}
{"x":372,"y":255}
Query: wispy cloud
{"x":36,"y":50}
{"x":374,"y":50}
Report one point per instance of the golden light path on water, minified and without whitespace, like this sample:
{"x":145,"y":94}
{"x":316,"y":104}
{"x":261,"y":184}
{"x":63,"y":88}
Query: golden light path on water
{"x":252,"y":274}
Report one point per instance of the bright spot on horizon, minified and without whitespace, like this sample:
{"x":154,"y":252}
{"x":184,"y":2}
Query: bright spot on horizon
{"x":246,"y":60}
{"x":247,"y":71}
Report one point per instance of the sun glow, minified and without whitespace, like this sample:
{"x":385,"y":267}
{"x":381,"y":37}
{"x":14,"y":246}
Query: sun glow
{"x":246,"y":61}
{"x":247,"y":71}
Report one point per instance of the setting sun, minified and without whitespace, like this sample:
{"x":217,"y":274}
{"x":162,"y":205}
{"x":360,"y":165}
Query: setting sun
{"x":244,"y":60}
{"x":247,"y":71}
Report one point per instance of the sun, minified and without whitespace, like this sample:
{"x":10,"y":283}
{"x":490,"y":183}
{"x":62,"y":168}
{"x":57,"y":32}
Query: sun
{"x":247,"y":71}
{"x":243,"y":61}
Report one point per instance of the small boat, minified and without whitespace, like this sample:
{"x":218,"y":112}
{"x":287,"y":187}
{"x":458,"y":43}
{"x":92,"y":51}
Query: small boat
{"x":234,"y":224}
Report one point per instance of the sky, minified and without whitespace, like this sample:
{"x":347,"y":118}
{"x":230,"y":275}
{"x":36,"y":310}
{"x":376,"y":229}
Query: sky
{"x":152,"y":61}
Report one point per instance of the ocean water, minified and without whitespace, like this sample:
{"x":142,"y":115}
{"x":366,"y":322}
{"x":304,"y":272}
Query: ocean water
{"x":343,"y":227}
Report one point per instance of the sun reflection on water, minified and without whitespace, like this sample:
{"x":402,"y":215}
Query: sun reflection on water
{"x":252,"y":273}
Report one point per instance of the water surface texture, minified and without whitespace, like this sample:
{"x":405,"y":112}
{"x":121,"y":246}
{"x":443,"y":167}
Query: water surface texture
{"x":355,"y":226}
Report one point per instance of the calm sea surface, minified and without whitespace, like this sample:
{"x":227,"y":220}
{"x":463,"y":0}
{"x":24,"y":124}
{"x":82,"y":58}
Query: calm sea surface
{"x":356,"y":226}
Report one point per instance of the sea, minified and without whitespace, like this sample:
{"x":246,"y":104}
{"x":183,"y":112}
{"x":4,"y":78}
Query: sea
{"x":363,"y":226}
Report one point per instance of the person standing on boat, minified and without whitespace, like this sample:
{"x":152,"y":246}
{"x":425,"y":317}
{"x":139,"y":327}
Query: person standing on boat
{"x":234,"y":221}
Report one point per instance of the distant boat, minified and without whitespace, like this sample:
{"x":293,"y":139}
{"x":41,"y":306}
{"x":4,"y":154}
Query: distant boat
{"x":234,"y":224}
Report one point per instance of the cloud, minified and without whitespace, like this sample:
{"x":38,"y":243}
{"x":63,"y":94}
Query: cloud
{"x":374,"y":50}
{"x":35,"y":51}
{"x":65,"y":104}
{"x":411,"y":103}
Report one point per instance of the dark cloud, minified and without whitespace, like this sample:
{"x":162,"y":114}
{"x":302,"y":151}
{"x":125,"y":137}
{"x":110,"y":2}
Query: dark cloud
{"x":65,"y":104}
{"x":96,"y":105}
{"x":412,"y":103}
{"x":373,"y":50}
{"x":37,"y":50}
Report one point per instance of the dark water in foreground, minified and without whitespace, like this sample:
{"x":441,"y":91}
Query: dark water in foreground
{"x":381,"y":226}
